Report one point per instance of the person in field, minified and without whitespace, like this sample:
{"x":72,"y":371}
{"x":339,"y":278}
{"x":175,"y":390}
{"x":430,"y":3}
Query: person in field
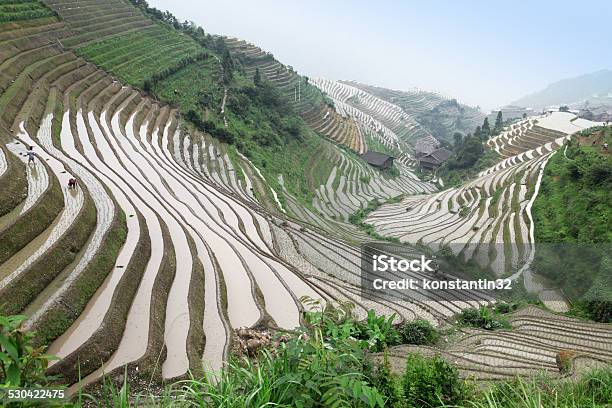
{"x":31,"y":155}
{"x":72,"y":183}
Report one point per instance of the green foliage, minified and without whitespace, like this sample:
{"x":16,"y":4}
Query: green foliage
{"x":321,"y":365}
{"x":430,"y":382}
{"x":575,"y":196}
{"x":467,"y":153}
{"x":499,"y":121}
{"x":592,"y":390}
{"x":142,"y":58}
{"x":387,"y":385}
{"x":572,"y":214}
{"x":16,"y":10}
{"x":483,"y":318}
{"x":21,"y":364}
{"x":453,"y":174}
{"x":419,"y":332}
{"x":378,"y":332}
{"x":337,"y":322}
{"x":257,"y":77}
{"x":358,"y":218}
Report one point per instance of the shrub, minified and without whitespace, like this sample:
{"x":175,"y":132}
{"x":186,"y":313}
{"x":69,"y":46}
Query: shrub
{"x":378,"y":332}
{"x":307,"y":371}
{"x":419,"y":332}
{"x":387,"y":385}
{"x":21,"y":364}
{"x":482,"y":318}
{"x":429,"y":382}
{"x":337,"y":323}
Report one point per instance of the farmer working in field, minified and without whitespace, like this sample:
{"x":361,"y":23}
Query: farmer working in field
{"x":31,"y":154}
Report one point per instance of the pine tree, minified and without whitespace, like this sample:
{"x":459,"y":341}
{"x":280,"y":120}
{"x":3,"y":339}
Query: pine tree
{"x":458,"y":139}
{"x":486,"y":129}
{"x":499,"y":121}
{"x":257,"y":77}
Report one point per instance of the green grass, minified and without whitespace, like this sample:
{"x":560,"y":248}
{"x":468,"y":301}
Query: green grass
{"x":207,"y":75}
{"x":592,"y":390}
{"x":23,"y":10}
{"x":573,"y":224}
{"x":137,"y":56}
{"x":575,"y":196}
{"x":358,"y":218}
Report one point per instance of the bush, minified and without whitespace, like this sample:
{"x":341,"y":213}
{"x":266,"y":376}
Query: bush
{"x":337,"y":322}
{"x":387,"y":385}
{"x":322,"y":365}
{"x":419,"y":332}
{"x":378,"y":332}
{"x":21,"y":364}
{"x":429,"y":382}
{"x":482,"y":318}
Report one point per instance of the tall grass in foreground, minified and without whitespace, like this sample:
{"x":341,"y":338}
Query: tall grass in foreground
{"x":592,"y":390}
{"x":258,"y":385}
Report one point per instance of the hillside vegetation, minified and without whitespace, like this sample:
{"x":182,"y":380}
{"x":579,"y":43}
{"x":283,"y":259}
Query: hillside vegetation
{"x":19,"y":10}
{"x":176,"y":203}
{"x":573,"y":216}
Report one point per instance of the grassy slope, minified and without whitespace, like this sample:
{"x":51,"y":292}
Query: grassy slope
{"x":571,"y":206}
{"x":150,"y":51}
{"x":23,"y":10}
{"x":573,"y":214}
{"x":260,"y":129}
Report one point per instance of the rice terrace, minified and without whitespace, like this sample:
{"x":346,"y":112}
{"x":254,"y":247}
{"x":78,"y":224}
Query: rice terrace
{"x":187,"y":220}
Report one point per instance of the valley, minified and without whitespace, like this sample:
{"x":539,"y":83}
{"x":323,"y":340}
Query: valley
{"x":217,"y":188}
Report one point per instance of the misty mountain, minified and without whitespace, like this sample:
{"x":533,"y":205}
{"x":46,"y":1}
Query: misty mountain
{"x":571,"y":90}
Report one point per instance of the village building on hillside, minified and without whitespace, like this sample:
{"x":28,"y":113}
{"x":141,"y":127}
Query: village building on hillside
{"x":426,"y":145}
{"x":378,"y":160}
{"x":434,"y":159}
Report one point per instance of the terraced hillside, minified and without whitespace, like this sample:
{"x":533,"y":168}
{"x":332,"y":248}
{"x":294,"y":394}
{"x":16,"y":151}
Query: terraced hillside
{"x":173,"y":239}
{"x":537,"y":340}
{"x":163,"y":247}
{"x":307,"y":99}
{"x":388,"y":122}
{"x":489,"y":218}
{"x":435,"y":113}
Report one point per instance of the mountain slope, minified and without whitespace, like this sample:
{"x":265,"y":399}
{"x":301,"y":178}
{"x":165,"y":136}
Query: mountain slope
{"x":570,"y":91}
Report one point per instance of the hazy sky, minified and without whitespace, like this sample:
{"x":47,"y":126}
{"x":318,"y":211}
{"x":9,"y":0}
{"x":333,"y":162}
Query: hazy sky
{"x":485,"y":53}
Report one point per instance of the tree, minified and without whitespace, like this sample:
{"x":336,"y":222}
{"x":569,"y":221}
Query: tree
{"x":486,"y":129}
{"x":228,"y":66}
{"x":257,"y":77}
{"x":499,"y":121}
{"x":563,"y":108}
{"x":458,"y":138}
{"x":524,"y":116}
